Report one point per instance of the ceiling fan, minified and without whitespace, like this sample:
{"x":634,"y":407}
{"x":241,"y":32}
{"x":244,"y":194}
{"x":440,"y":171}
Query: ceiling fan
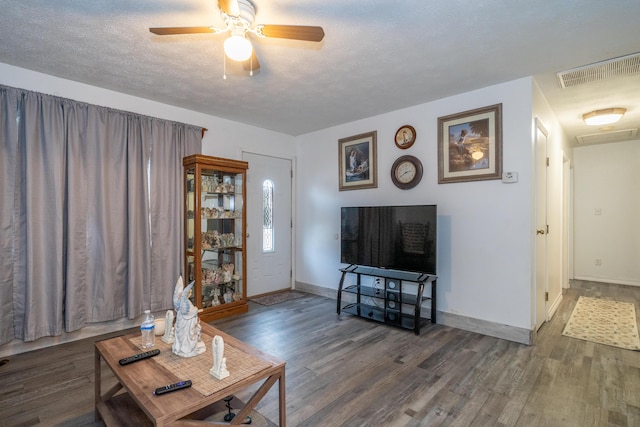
{"x":238,"y":16}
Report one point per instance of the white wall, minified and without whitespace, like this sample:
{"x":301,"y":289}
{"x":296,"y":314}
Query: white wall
{"x":224,"y":138}
{"x":484,"y":227}
{"x":606,"y":179}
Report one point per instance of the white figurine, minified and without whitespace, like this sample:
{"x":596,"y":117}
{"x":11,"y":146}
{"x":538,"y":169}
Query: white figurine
{"x":219,"y":369}
{"x":187,"y":340}
{"x":168,"y":327}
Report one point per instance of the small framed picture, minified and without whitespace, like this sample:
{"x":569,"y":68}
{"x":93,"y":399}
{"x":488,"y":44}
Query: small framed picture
{"x":358,"y":162}
{"x":470,"y":145}
{"x":405,"y":137}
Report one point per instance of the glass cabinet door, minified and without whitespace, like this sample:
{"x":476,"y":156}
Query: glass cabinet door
{"x":221,"y":214}
{"x":190,"y":223}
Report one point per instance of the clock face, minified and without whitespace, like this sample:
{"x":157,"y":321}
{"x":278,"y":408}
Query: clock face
{"x":406,"y":172}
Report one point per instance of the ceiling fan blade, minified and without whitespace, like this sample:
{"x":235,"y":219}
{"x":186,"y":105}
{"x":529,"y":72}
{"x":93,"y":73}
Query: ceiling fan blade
{"x":294,"y":32}
{"x":167,"y":31}
{"x":230,"y":7}
{"x":252,"y":63}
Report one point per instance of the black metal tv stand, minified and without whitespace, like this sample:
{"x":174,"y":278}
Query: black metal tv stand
{"x":384,"y":302}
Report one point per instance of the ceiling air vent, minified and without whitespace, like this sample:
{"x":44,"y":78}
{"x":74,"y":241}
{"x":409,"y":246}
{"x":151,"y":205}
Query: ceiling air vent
{"x":613,"y":136}
{"x":622,"y":66}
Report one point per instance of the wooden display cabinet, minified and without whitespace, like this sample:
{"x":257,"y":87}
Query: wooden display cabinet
{"x":215,"y":230}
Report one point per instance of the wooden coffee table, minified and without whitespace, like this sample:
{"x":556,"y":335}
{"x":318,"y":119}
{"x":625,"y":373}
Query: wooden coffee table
{"x":132,"y":398}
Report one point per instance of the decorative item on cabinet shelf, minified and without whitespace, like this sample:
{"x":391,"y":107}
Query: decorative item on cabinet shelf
{"x":223,"y":274}
{"x":220,"y":213}
{"x":209,"y":183}
{"x":212,"y":184}
{"x":220,"y":294}
{"x":213,"y":239}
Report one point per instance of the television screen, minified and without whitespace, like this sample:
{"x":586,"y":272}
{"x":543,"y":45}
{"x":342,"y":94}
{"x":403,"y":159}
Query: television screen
{"x":392,"y":237}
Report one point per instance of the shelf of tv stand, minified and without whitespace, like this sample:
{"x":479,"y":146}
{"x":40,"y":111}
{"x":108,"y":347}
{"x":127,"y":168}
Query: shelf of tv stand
{"x":396,"y":318}
{"x":368,"y":291}
{"x":383,"y":312}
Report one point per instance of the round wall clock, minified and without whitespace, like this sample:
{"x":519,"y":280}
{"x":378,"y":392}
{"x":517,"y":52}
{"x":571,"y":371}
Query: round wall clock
{"x":406,"y":172}
{"x":405,"y":136}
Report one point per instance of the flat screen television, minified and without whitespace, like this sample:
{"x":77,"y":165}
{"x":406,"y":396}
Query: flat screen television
{"x":392,"y":237}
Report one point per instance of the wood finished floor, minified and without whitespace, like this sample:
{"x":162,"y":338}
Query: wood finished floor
{"x":345,"y":371}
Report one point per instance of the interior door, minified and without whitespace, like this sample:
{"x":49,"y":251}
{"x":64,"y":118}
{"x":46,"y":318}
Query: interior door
{"x":269,"y":222}
{"x":541,"y":223}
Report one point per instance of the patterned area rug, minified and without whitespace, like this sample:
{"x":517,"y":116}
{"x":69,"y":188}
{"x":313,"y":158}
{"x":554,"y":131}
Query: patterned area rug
{"x":277,"y":298}
{"x":605,"y":322}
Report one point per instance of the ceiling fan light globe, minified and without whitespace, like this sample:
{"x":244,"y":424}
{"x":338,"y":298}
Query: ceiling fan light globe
{"x":238,"y":48}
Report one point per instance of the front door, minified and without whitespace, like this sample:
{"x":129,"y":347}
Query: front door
{"x":269,"y":222}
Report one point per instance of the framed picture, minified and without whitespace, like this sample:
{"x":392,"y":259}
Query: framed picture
{"x":358,"y":162}
{"x":405,"y":137}
{"x":470,"y":145}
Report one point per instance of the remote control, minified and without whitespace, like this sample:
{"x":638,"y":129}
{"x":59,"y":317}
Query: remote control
{"x":139,"y":356}
{"x":172,"y":387}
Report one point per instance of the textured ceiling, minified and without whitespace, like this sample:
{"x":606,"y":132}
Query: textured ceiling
{"x":377,"y":55}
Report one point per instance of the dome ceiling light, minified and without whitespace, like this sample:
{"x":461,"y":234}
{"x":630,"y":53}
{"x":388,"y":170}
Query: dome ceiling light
{"x":603,"y":117}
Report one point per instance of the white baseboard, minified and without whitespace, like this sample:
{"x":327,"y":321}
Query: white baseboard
{"x":18,"y":346}
{"x":601,"y":280}
{"x":485,"y":327}
{"x":554,"y":306}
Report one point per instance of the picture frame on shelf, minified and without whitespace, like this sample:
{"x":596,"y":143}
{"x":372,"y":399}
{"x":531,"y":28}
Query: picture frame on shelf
{"x":470,"y":145}
{"x":358,"y":162}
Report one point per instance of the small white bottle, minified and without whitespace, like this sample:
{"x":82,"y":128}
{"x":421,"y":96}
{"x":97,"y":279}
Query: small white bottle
{"x":147,"y":328}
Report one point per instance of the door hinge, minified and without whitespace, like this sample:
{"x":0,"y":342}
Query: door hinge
{"x":546,"y":296}
{"x":547,"y":228}
{"x":547,"y":162}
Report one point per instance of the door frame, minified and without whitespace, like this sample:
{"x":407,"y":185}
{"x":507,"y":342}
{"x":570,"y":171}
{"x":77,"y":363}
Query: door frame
{"x":539,"y":130}
{"x":292,"y":159}
{"x":567,"y":215}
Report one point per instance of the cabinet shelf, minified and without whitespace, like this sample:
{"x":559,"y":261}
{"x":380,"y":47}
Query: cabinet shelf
{"x":211,"y":194}
{"x":222,"y":248}
{"x":396,"y":301}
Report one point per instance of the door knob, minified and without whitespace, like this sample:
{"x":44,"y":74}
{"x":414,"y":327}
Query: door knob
{"x":540,"y":232}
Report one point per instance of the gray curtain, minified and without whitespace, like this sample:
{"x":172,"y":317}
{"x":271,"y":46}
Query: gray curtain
{"x":91,"y":216}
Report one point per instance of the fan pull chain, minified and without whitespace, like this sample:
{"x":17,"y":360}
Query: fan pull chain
{"x":224,"y":67}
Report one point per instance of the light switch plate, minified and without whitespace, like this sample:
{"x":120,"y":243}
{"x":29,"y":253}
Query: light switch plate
{"x":509,"y":177}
